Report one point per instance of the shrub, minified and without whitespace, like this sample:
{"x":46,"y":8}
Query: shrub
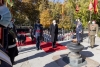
{"x":98,"y":33}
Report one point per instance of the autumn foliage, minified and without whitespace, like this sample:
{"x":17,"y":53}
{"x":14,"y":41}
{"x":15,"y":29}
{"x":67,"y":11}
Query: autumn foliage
{"x":45,"y":18}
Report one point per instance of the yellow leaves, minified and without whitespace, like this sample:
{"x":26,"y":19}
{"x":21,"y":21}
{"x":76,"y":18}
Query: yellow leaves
{"x":65,"y":23}
{"x":45,"y":18}
{"x":26,"y":1}
{"x":60,"y":25}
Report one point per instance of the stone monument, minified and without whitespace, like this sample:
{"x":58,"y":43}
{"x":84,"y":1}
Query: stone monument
{"x":75,"y":58}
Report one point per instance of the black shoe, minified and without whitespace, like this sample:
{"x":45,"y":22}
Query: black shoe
{"x":37,"y":48}
{"x":13,"y":63}
{"x":78,"y":43}
{"x":92,"y":47}
{"x":54,"y":46}
{"x":40,"y":48}
{"x":81,"y":40}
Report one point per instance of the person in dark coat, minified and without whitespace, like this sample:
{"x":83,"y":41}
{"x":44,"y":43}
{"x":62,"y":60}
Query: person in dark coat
{"x":38,"y":31}
{"x":5,"y":37}
{"x":54,"y":33}
{"x":79,"y":31}
{"x":23,"y":38}
{"x":12,"y":47}
{"x":4,"y":58}
{"x":14,"y":27}
{"x":19,"y":39}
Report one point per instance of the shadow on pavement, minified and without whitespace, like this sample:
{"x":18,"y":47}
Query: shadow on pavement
{"x":25,"y":50}
{"x":42,"y":54}
{"x":85,"y":48}
{"x":96,"y":46}
{"x":87,"y":53}
{"x":63,"y":61}
{"x":52,"y":64}
{"x":59,"y":61}
{"x":85,"y":35}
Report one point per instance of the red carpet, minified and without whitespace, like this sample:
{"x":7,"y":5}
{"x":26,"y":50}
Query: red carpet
{"x":28,"y":42}
{"x":47,"y":47}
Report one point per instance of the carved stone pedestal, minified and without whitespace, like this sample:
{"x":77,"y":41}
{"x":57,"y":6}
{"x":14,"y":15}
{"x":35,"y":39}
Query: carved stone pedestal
{"x":75,"y":58}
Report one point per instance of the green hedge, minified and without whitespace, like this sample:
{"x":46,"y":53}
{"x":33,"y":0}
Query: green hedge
{"x":99,"y":34}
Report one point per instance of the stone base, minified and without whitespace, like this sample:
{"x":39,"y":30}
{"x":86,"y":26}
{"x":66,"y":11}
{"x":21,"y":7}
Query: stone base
{"x":77,"y":62}
{"x":63,"y":61}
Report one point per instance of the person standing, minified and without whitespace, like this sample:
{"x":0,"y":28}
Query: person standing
{"x":14,"y":26}
{"x":54,"y":33}
{"x":79,"y":31}
{"x":93,"y":33}
{"x":38,"y":31}
{"x":12,"y":47}
{"x":4,"y":58}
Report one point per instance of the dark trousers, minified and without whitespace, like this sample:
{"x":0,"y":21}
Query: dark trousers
{"x":79,"y":37}
{"x":11,"y":54}
{"x":32,"y":37}
{"x":38,"y":42}
{"x":54,"y":44}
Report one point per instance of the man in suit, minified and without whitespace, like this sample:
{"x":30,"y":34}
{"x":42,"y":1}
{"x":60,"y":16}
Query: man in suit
{"x":54,"y":33}
{"x":12,"y":47}
{"x":14,"y":27}
{"x":38,"y":31}
{"x":79,"y":31}
{"x":93,"y":30}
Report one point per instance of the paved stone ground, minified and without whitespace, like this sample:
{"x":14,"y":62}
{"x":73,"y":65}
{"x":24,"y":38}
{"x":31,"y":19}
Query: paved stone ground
{"x":63,"y":61}
{"x":30,"y":57}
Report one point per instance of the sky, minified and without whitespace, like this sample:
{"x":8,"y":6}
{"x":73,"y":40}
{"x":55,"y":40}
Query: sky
{"x":57,"y":0}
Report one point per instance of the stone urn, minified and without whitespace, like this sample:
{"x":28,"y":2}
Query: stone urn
{"x":75,"y":57}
